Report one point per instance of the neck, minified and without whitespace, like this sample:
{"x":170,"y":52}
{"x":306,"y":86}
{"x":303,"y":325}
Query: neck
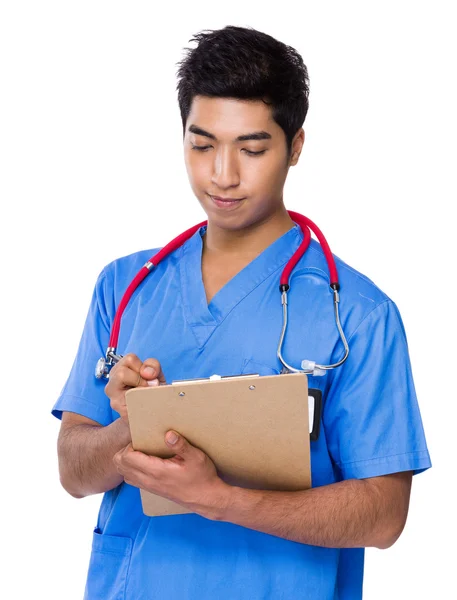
{"x":249,"y":241}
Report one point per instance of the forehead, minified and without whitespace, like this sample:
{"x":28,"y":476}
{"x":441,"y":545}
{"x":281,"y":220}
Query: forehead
{"x":229,"y":117}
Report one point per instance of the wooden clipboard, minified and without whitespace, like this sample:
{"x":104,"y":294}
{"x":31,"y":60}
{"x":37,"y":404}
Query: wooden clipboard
{"x":254,"y":428}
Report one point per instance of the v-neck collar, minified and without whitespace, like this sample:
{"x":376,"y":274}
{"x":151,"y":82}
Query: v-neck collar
{"x":204,"y":318}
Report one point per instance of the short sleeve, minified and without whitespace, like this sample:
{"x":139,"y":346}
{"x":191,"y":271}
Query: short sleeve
{"x":371,"y":415}
{"x":83,"y":393}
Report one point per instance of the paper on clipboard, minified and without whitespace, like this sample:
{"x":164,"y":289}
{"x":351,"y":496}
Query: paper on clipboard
{"x":248,"y":425}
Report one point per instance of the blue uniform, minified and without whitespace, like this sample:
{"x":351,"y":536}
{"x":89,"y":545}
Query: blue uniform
{"x":370,"y":426}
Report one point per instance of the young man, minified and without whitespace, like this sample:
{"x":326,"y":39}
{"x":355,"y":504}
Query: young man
{"x":213,"y":306}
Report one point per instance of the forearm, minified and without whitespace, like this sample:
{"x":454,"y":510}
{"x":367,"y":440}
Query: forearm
{"x":86,"y":457}
{"x":348,"y":514}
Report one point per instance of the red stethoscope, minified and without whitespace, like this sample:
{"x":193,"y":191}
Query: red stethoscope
{"x":309,"y":367}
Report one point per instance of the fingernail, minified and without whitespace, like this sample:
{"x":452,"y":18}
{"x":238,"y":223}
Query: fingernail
{"x":148,"y":371}
{"x":153,"y":382}
{"x":172,"y":438}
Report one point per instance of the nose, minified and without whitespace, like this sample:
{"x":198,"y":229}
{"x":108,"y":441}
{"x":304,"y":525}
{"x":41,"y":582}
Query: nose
{"x":225,"y":169}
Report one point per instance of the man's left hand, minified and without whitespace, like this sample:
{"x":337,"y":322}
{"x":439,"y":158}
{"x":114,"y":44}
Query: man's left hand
{"x":189,"y":478}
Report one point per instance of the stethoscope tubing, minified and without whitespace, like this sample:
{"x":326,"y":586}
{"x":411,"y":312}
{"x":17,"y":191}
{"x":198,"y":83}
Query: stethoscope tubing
{"x":104,"y":364}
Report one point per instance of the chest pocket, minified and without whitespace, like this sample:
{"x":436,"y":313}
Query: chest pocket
{"x":314,"y":395}
{"x":251,"y":366}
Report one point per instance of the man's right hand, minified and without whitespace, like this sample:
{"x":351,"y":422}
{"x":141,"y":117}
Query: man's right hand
{"x":128,"y":373}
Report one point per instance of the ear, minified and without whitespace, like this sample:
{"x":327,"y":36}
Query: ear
{"x":297,"y":145}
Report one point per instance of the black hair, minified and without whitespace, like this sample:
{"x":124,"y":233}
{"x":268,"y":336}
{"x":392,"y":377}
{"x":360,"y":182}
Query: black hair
{"x":243,"y":63}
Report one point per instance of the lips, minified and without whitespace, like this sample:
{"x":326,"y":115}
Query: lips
{"x":226,"y":199}
{"x":226,"y":203}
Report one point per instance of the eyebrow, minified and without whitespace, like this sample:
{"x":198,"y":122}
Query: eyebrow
{"x":255,"y":135}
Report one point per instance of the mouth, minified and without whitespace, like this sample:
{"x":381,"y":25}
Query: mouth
{"x":226,"y":202}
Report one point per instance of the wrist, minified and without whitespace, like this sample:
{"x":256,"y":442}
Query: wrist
{"x":221,"y":499}
{"x":122,"y":429}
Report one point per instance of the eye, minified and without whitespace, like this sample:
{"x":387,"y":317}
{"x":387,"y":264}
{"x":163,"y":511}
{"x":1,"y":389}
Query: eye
{"x":250,"y":153}
{"x":201,"y":148}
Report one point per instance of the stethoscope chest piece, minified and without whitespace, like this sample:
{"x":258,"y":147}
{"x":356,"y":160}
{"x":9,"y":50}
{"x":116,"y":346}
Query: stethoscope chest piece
{"x":106,"y":363}
{"x":101,"y":369}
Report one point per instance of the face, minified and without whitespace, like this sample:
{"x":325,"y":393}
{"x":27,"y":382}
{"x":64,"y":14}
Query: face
{"x":233,"y":149}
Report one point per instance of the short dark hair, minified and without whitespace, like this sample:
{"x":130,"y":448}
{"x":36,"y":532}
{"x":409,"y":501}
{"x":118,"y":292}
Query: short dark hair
{"x":243,"y":63}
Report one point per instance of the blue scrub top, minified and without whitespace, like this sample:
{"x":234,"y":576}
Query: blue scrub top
{"x":370,"y":426}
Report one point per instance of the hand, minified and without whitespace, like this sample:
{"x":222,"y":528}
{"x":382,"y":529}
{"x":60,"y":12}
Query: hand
{"x":128,"y":373}
{"x":189,"y":478}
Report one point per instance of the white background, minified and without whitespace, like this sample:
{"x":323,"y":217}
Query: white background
{"x":92,"y":169}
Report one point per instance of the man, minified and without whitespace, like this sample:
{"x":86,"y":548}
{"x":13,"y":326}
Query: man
{"x":213,"y":307}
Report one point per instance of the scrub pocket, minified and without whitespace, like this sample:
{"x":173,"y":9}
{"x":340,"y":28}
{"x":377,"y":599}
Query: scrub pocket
{"x":252,"y":366}
{"x":109,"y":563}
{"x":315,"y":411}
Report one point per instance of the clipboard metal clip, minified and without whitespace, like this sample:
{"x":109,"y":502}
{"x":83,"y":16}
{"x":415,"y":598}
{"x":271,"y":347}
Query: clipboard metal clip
{"x":214,"y":378}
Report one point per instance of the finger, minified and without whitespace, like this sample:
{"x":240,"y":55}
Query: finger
{"x":118,"y":458}
{"x":134,"y":363}
{"x":130,"y":459}
{"x":126,"y":372}
{"x":178,"y":443}
{"x":125,"y":377}
{"x":138,"y":479}
{"x":130,"y":361}
{"x":151,"y":369}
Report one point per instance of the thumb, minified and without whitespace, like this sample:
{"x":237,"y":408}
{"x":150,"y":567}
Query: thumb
{"x":151,"y":371}
{"x":177,"y":442}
